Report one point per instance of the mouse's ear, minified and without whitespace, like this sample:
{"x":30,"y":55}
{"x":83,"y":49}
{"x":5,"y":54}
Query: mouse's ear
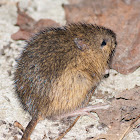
{"x":80,"y":44}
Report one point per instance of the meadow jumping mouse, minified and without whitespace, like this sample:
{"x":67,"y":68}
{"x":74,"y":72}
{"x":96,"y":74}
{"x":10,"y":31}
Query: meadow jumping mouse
{"x":59,"y":67}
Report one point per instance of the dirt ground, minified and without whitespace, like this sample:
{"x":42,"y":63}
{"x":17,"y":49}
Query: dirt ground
{"x":10,"y":108}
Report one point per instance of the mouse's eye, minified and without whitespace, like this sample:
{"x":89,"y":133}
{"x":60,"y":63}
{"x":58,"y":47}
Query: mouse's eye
{"x":103,"y":43}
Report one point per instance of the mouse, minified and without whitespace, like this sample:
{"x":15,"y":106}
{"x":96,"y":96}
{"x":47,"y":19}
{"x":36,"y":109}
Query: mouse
{"x":59,"y":67}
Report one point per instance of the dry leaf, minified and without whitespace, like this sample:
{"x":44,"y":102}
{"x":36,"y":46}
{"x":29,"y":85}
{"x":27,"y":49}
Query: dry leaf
{"x":28,"y":26}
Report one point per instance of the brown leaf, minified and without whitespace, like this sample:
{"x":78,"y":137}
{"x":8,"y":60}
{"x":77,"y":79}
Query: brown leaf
{"x":122,"y":112}
{"x":28,"y":26}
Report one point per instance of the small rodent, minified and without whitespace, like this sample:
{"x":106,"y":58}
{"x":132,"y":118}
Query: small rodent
{"x":58,"y":68}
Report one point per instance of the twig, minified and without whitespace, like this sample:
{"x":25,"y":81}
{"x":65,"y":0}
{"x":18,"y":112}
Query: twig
{"x":17,"y":124}
{"x":62,"y":135}
{"x":132,"y":125}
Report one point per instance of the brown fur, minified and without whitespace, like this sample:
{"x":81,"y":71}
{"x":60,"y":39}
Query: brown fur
{"x":59,"y":66}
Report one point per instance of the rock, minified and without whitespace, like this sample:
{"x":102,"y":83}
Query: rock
{"x":123,"y":17}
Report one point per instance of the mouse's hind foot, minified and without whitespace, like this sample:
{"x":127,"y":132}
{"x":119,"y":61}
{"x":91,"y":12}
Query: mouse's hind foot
{"x":85,"y":111}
